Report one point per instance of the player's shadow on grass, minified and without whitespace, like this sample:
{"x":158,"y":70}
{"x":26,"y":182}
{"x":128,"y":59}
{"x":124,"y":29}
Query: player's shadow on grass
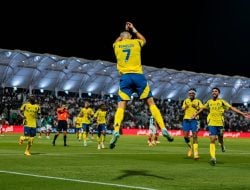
{"x":128,"y":173}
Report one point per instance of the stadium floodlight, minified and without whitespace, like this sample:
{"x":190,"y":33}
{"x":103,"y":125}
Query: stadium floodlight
{"x":8,"y":54}
{"x":111,"y":95}
{"x":89,"y":93}
{"x":245,"y":98}
{"x":15,"y":88}
{"x":66,"y":91}
{"x":134,"y":95}
{"x":37,"y":58}
{"x":41,"y":90}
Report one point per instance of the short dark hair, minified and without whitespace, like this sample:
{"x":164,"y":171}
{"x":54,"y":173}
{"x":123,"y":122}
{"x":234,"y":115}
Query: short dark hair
{"x":216,"y":88}
{"x":32,"y":99}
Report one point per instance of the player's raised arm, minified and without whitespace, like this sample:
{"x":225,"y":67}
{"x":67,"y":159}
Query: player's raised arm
{"x":129,"y":25}
{"x":245,"y":114}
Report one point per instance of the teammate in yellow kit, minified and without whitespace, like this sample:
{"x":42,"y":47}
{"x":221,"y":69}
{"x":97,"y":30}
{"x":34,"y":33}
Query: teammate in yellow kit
{"x":215,"y":119}
{"x":29,"y":112}
{"x":100,"y":117}
{"x":78,"y":126}
{"x":190,"y":106}
{"x":87,"y":114}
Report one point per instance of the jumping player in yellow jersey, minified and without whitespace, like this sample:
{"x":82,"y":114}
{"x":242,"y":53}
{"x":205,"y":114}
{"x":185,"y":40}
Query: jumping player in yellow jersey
{"x":100,"y":117}
{"x":29,"y":112}
{"x":215,"y":119}
{"x":128,"y":55}
{"x":190,"y":106}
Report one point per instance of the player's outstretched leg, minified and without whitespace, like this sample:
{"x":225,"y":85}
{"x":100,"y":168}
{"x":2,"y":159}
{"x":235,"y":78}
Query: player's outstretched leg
{"x":114,"y":139}
{"x":166,"y":134}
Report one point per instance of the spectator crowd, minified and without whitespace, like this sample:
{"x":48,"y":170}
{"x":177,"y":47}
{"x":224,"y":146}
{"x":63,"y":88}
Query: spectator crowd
{"x":137,"y":114}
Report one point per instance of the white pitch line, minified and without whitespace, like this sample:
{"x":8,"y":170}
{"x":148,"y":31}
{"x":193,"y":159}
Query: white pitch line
{"x":76,"y":180}
{"x":232,"y":152}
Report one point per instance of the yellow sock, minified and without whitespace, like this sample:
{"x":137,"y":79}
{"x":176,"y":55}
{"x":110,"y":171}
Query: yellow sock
{"x":98,"y":140}
{"x":30,"y":143}
{"x":84,"y":136}
{"x":102,"y":137}
{"x":119,"y":115}
{"x":157,"y":115}
{"x":24,"y":138}
{"x":80,"y":136}
{"x":195,"y":148}
{"x":212,"y":150}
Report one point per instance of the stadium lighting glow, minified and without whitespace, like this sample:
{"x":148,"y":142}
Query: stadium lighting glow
{"x":15,"y":88}
{"x":44,"y":83}
{"x":245,"y":98}
{"x":37,"y":58}
{"x":111,"y":95}
{"x":66,"y":91}
{"x":17,"y":80}
{"x":41,"y":90}
{"x":89,"y":93}
{"x":245,"y":103}
{"x":113,"y":89}
{"x":27,"y":54}
{"x":8,"y":54}
{"x":155,"y":91}
{"x":68,"y":85}
{"x":134,"y":95}
{"x":172,"y":94}
{"x":92,"y":87}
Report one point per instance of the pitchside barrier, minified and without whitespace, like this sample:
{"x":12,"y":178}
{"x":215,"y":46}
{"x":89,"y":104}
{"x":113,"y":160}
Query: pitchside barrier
{"x":129,"y":131}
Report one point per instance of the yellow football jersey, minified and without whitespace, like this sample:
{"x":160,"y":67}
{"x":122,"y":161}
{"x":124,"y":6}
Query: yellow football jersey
{"x":216,"y":111}
{"x":30,"y":112}
{"x":78,"y":122}
{"x":128,"y":55}
{"x":87,"y":114}
{"x":100,"y":116}
{"x":191,"y":107}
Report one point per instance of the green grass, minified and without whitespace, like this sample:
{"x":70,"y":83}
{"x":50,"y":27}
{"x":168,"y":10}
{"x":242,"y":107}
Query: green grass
{"x":132,"y":164}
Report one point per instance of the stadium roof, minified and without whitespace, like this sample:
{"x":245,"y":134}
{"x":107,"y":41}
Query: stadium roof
{"x":24,"y":69}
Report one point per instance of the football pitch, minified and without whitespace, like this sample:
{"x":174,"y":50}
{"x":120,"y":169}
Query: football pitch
{"x":131,"y":165}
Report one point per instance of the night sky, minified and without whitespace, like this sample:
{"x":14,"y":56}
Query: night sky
{"x":201,"y":36}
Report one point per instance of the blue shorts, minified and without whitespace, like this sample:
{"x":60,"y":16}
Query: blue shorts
{"x":218,"y":130}
{"x":101,"y":127}
{"x":29,"y":131}
{"x":78,"y":130}
{"x":190,"y":125}
{"x":85,"y":127}
{"x":133,"y":83}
